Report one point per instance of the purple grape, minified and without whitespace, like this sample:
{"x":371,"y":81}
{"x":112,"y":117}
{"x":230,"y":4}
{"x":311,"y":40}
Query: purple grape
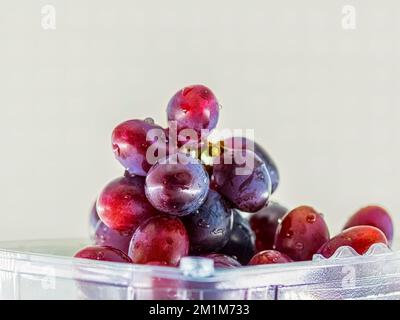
{"x":223,"y":261}
{"x":209,"y":227}
{"x":130,"y":145}
{"x":242,"y":178}
{"x":244,"y":143}
{"x":194,"y":107}
{"x":241,"y":241}
{"x":105,"y":236}
{"x":264,"y":224}
{"x":177,"y":185}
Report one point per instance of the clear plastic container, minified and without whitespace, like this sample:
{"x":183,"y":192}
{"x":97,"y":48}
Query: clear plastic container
{"x":45,"y":270}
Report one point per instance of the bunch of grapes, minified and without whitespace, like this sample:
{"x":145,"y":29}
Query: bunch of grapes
{"x":183,"y":195}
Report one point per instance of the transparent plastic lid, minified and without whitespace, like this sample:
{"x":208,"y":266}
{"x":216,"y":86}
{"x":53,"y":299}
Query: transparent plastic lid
{"x":46,"y":270}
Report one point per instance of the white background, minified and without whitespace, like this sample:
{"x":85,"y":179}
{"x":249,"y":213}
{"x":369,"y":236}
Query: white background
{"x":322,"y":99}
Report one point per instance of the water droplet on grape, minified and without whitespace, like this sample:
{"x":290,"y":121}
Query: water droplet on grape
{"x":311,"y":218}
{"x":217,"y":231}
{"x":259,"y":176}
{"x":203,"y":224}
{"x":289,"y":234}
{"x":149,"y":120}
{"x":100,"y":255}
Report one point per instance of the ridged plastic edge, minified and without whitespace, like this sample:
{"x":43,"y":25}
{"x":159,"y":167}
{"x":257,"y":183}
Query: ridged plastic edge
{"x":348,"y":252}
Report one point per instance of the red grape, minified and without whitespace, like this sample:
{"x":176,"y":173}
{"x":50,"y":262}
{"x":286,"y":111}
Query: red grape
{"x":163,"y":288}
{"x":161,"y":239}
{"x":242,"y":177}
{"x":360,"y":238}
{"x":122,"y":205}
{"x":241,"y":240}
{"x":194,"y":107}
{"x":244,"y":143}
{"x":223,"y":261}
{"x":210,"y":226}
{"x":264,"y":224}
{"x":374,"y":216}
{"x":301,"y":233}
{"x":269,"y":257}
{"x":94,"y":290}
{"x":130,"y":145}
{"x":177,"y":187}
{"x":105,"y":236}
{"x":103,"y":253}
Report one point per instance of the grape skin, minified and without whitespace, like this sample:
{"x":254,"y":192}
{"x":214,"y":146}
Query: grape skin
{"x":177,"y":188}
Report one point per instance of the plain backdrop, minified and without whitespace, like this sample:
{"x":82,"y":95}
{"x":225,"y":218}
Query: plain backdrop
{"x":320,"y":91}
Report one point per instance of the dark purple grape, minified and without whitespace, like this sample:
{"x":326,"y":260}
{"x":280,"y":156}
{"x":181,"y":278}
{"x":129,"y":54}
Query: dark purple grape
{"x":130,"y":144}
{"x":123,"y":206}
{"x":93,"y":221}
{"x":242,"y":178}
{"x":161,"y":240}
{"x":177,"y":185}
{"x":223,"y":261}
{"x":244,"y":143}
{"x":374,"y":216}
{"x":209,"y":227}
{"x":103,"y":253}
{"x":241,"y":240}
{"x":301,"y":233}
{"x":105,"y":236}
{"x":194,"y":107}
{"x":264,"y":224}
